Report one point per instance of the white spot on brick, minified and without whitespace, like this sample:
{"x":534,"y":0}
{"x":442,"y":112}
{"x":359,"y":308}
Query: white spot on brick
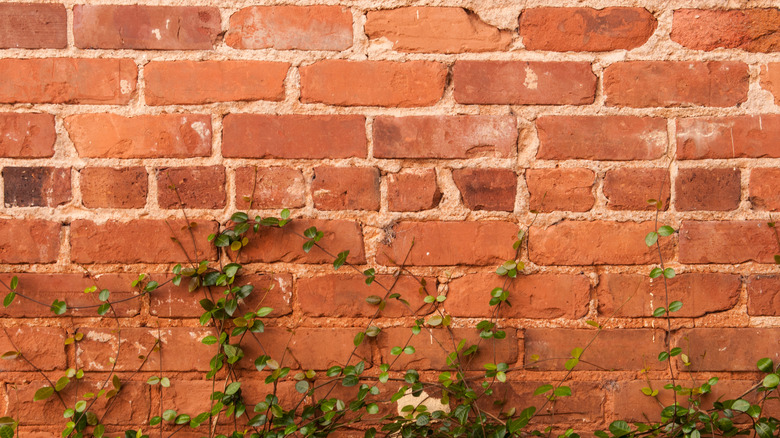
{"x":125,"y":87}
{"x":201,"y":129}
{"x":531,"y":79}
{"x":156,"y":33}
{"x":100,"y":336}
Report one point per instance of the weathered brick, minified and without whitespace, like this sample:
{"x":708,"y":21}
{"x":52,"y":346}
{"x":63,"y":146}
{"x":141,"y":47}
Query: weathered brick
{"x":321,"y":348}
{"x":345,"y":295}
{"x":139,"y":241}
{"x":67,"y":80}
{"x":345,"y":188}
{"x":44,"y":347}
{"x":373,"y":83}
{"x":638,"y":296}
{"x":524,"y":83}
{"x":105,"y":187}
{"x":269,"y":187}
{"x":276,"y":342}
{"x":763,"y":188}
{"x":584,"y":405}
{"x":198,"y":82}
{"x":445,"y":136}
{"x":707,"y":189}
{"x":36,"y":186}
{"x":145,"y":27}
{"x":486,"y":189}
{"x":729,"y":349}
{"x":763,"y":293}
{"x":676,"y":83}
{"x":568,"y":189}
{"x":448,"y":243}
{"x":538,"y":296}
{"x":286,"y":244}
{"x":147,"y":136}
{"x":197,"y":187}
{"x":726,"y":242}
{"x":624,"y":349}
{"x":601,"y":137}
{"x":770,"y":79}
{"x":70,"y":288}
{"x":29,"y":241}
{"x":194,"y":396}
{"x":728,"y":137}
{"x":274,"y":291}
{"x":597,"y":242}
{"x":435,"y":29}
{"x":433,"y":346}
{"x":131,"y":406}
{"x":33,"y":26}
{"x":753,"y":29}
{"x":585,"y":29}
{"x":294,"y":136}
{"x":413,"y":190}
{"x":27,"y":135}
{"x":630,"y":188}
{"x":286,"y":27}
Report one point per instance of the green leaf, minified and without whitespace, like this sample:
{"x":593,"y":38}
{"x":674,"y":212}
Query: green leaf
{"x":310,"y":233}
{"x":651,"y":238}
{"x":766,"y":365}
{"x":222,"y":241}
{"x":576,"y":352}
{"x":80,"y":405}
{"x":302,"y":387}
{"x":182,"y":419}
{"x":58,"y":307}
{"x":14,"y":282}
{"x":232,"y":388}
{"x":153,"y":380}
{"x":619,"y":428}
{"x":659,"y":312}
{"x":307,"y":246}
{"x":104,"y":294}
{"x":373,"y":331}
{"x":10,"y":355}
{"x":231,"y":269}
{"x":373,"y":299}
{"x":409,"y":349}
{"x":542,"y":389}
{"x":562,"y":391}
{"x":771,"y":380}
{"x":43,"y":393}
{"x":669,"y":273}
{"x":340,"y":260}
{"x":169,"y":415}
{"x":239,"y":217}
{"x":656,"y":272}
{"x":665,"y":230}
{"x":571,"y":363}
{"x":777,"y":259}
{"x":662,"y":356}
{"x":9,"y":298}
{"x":103,"y":308}
{"x":740,"y":405}
{"x":434,"y":320}
{"x":675,"y":306}
{"x":264,"y":311}
{"x":359,"y":338}
{"x":764,"y":430}
{"x":6,"y":431}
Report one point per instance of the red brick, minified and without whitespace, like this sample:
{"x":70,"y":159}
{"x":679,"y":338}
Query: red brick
{"x":272,"y":291}
{"x":67,"y":80}
{"x":568,"y":189}
{"x":321,"y":348}
{"x":345,"y":295}
{"x":130,"y":407}
{"x":314,"y":27}
{"x":751,"y":29}
{"x":70,"y":288}
{"x":27,"y":135}
{"x":486,"y":189}
{"x":432,"y":347}
{"x":630,"y":188}
{"x":763,"y":188}
{"x":413,"y":190}
{"x":271,"y":245}
{"x":585,"y":29}
{"x":726,"y":242}
{"x":448,"y":243}
{"x":269,"y":187}
{"x":585,"y":404}
{"x":33,"y":26}
{"x":345,"y":188}
{"x":275,"y":342}
{"x":593,"y":243}
{"x":44,"y":347}
{"x":729,"y":349}
{"x":373,"y":83}
{"x":728,"y":137}
{"x":138,"y":241}
{"x":707,"y":189}
{"x":538,"y":296}
{"x":147,"y":136}
{"x":29,"y":241}
{"x":197,"y":187}
{"x":145,"y":27}
{"x":612,"y":349}
{"x":763,"y":293}
{"x":524,"y":83}
{"x":294,"y":136}
{"x":445,"y":137}
{"x":198,"y":82}
{"x":105,"y":187}
{"x":36,"y":186}
{"x":638,"y":296}
{"x":770,"y":79}
{"x":435,"y":29}
{"x":181,"y":349}
{"x":676,"y":83}
{"x":601,"y":137}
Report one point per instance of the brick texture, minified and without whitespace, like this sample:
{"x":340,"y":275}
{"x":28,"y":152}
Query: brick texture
{"x":33,"y":26}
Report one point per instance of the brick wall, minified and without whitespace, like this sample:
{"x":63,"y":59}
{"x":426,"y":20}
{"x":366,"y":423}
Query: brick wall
{"x":382,"y":123}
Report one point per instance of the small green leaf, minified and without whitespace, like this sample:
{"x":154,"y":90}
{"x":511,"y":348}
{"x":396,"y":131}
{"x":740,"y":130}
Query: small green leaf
{"x":651,"y":238}
{"x":103,"y":308}
{"x":302,"y":387}
{"x":740,"y":405}
{"x":409,"y":349}
{"x":169,"y":415}
{"x":665,"y":230}
{"x":542,"y":389}
{"x":9,"y":298}
{"x":771,"y":381}
{"x":239,"y":217}
{"x":58,"y":307}
{"x":656,"y":272}
{"x":659,"y":312}
{"x":307,"y":246}
{"x":264,"y":311}
{"x":669,"y":273}
{"x":675,"y":306}
{"x":619,"y":428}
{"x":359,"y":338}
{"x":232,"y":388}
{"x":43,"y":393}
{"x":104,"y":294}
{"x":766,"y":365}
{"x":14,"y":282}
